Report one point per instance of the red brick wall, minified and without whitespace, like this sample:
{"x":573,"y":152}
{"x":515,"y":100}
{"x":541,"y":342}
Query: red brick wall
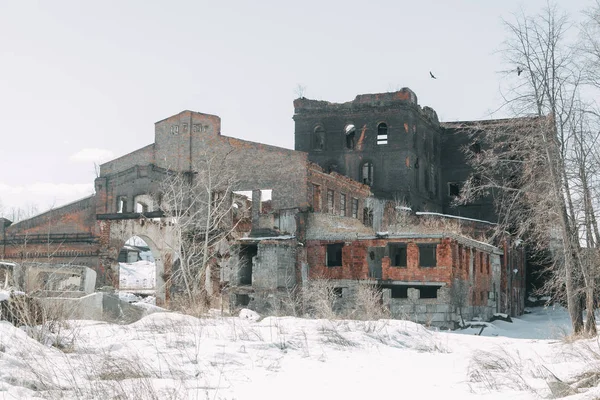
{"x":355,"y":264}
{"x":442,"y":272}
{"x":354,"y":260}
{"x":339,"y":184}
{"x":451,"y":263}
{"x":482,"y":278}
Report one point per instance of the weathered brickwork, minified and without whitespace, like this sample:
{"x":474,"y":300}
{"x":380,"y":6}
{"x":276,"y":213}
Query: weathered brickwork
{"x":449,"y":265}
{"x":398,"y":139}
{"x":322,"y":195}
{"x":327,"y":189}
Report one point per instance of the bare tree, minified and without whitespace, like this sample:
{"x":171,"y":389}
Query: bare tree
{"x":459,"y":296}
{"x":538,"y":168}
{"x":590,"y":45}
{"x":198,"y":207}
{"x":300,"y":91}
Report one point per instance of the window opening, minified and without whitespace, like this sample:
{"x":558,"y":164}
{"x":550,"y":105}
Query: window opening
{"x":319,"y":138}
{"x":454,"y":189}
{"x":398,"y":254}
{"x":247,"y":255}
{"x":427,"y":255}
{"x":382,"y":134}
{"x":121,"y":204}
{"x":141,"y":207}
{"x":397,"y":291}
{"x":266,"y":203}
{"x":334,"y":255}
{"x":316,"y":197}
{"x":428,"y":292}
{"x":330,"y":196}
{"x":368,"y":216}
{"x":367,"y":173}
{"x":350,"y":132}
{"x":342,"y":204}
{"x":354,"y":208}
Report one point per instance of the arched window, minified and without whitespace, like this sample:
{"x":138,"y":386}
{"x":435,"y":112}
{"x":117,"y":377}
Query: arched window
{"x":382,"y":133}
{"x":367,"y":173}
{"x":350,"y":132}
{"x":318,"y":139}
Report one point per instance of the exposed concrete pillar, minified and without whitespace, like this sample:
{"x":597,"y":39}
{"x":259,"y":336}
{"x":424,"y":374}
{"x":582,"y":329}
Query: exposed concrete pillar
{"x":255,"y":207}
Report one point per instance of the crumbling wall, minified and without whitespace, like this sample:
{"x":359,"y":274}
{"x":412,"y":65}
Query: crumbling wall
{"x":401,"y":163}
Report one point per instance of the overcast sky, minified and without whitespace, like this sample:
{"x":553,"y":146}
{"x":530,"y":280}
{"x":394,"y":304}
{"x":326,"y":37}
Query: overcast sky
{"x":84,"y":82}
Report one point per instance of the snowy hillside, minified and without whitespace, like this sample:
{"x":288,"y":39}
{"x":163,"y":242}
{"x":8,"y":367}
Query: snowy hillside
{"x":173,"y":356}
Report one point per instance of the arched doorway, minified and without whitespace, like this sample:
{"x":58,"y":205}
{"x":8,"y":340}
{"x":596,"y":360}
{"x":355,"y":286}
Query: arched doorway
{"x":138,"y":270}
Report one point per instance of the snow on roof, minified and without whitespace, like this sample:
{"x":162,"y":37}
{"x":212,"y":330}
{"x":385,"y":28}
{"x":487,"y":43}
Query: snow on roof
{"x":282,"y":237}
{"x":9,"y":264}
{"x":455,"y":217}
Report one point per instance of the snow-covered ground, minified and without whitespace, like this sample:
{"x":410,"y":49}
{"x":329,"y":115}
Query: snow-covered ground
{"x":137,"y":275}
{"x":173,"y":356}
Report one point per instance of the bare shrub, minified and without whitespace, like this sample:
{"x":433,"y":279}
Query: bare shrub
{"x":332,"y":335}
{"x":319,"y":299}
{"x":194,"y":306}
{"x":368,"y":303}
{"x":500,"y":369}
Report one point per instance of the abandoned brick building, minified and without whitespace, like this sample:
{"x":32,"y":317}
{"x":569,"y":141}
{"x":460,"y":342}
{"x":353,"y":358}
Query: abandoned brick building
{"x":331,"y":213}
{"x":390,"y":143}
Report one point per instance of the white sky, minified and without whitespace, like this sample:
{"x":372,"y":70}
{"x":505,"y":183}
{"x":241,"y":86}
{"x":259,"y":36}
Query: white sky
{"x":85,"y":81}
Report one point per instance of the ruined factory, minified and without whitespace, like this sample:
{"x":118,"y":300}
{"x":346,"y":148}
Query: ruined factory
{"x":366,"y":198}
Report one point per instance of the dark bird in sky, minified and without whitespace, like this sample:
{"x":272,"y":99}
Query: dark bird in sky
{"x":519,"y":70}
{"x":432,"y":75}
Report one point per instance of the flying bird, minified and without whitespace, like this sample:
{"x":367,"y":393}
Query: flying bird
{"x":433,"y":76}
{"x":519,"y":70}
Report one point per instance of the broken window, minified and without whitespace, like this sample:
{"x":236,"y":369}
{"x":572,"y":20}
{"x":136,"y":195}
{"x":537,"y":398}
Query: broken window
{"x":427,"y":255}
{"x":428,"y":292}
{"x":382,"y":134}
{"x":367,"y":173}
{"x":266,"y":205}
{"x":242,"y":206}
{"x":342,"y":204}
{"x":454,"y":189}
{"x":350,"y":132}
{"x":354,"y":208}
{"x":141,"y":207}
{"x":318,"y":142}
{"x":334,"y":255}
{"x":398,"y":254}
{"x":330,"y":204}
{"x":368,"y":216}
{"x":316,"y":197}
{"x":121,"y":204}
{"x":338,"y":292}
{"x":487,"y":263}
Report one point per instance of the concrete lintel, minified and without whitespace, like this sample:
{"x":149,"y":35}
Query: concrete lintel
{"x":412,"y":283}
